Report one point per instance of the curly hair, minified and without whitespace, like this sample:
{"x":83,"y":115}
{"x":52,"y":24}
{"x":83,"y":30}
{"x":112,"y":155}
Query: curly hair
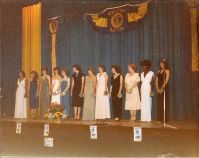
{"x":117,"y":68}
{"x":146,"y":63}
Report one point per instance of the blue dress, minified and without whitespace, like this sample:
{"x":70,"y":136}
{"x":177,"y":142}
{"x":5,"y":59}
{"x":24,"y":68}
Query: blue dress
{"x":32,"y":94}
{"x":65,"y":100}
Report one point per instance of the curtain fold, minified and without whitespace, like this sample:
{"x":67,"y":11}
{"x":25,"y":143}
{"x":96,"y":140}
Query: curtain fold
{"x":31,"y":39}
{"x":165,"y":33}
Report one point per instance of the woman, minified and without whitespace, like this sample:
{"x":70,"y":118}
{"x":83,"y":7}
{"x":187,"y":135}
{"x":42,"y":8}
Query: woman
{"x":147,"y":86}
{"x":20,"y":102}
{"x":65,"y":94}
{"x":77,"y":90}
{"x":56,"y":82}
{"x":89,"y":95}
{"x":116,"y":91}
{"x":132,"y":101}
{"x":44,"y":92}
{"x":33,"y":93}
{"x":162,"y":86}
{"x":102,"y":110}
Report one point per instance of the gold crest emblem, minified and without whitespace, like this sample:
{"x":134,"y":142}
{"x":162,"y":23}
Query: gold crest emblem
{"x":53,"y":26}
{"x":117,"y":20}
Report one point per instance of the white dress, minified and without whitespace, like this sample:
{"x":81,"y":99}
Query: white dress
{"x":102,"y":109}
{"x":146,"y":99}
{"x":56,"y":98}
{"x":132,"y":101}
{"x":20,"y":101}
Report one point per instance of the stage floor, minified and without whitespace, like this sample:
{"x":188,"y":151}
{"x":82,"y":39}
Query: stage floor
{"x":115,"y":139}
{"x":191,"y":124}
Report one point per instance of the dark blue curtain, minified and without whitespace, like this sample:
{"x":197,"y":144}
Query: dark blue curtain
{"x":164,"y":33}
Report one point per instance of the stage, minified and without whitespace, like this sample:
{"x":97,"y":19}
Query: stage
{"x":115,"y":139}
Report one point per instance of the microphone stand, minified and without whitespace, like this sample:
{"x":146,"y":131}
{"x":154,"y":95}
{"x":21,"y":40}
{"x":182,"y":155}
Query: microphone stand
{"x":164,"y":124}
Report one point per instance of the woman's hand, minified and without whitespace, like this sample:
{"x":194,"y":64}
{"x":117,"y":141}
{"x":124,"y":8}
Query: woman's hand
{"x":80,"y":94}
{"x":119,"y":95}
{"x":105,"y":92}
{"x":158,"y":90}
{"x":161,"y":90}
{"x":152,"y":94}
{"x":129,"y":91}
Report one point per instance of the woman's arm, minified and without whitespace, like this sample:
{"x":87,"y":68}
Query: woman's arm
{"x":157,"y":88}
{"x":72,"y":87}
{"x":26,"y":88}
{"x":106,"y":81}
{"x":49,"y":83}
{"x":94,"y":86}
{"x":68,"y":85}
{"x":38,"y":88}
{"x":152,"y":84}
{"x":121,"y":84}
{"x":58,"y":89}
{"x":167,"y":78}
{"x":125,"y":84}
{"x":85,"y":88}
{"x":82,"y":85}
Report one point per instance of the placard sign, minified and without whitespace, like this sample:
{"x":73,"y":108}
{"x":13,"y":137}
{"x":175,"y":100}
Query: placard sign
{"x":48,"y":142}
{"x":137,"y":134}
{"x":93,"y":132}
{"x":18,"y":128}
{"x":46,"y":129}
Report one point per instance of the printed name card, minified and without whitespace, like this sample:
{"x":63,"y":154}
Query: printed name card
{"x":46,"y":129}
{"x":137,"y":134}
{"x":48,"y":142}
{"x":18,"y":128}
{"x":93,"y":132}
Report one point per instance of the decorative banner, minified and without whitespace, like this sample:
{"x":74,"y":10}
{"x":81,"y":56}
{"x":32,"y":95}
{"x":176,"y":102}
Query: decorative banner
{"x":120,"y":18}
{"x":53,"y":25}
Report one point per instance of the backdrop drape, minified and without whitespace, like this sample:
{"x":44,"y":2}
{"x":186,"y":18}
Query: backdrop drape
{"x":164,"y":34}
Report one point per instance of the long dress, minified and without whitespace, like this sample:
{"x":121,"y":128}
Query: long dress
{"x":55,"y":97}
{"x":77,"y":101}
{"x":65,"y":100}
{"x":116,"y":101}
{"x":20,"y":102}
{"x":32,"y":94}
{"x":102,"y":110}
{"x":160,"y":98}
{"x":89,"y":101}
{"x":146,"y":99}
{"x":132,"y":101}
{"x":44,"y":96}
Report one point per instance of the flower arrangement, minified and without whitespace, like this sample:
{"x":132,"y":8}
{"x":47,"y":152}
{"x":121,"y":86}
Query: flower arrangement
{"x":55,"y":111}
